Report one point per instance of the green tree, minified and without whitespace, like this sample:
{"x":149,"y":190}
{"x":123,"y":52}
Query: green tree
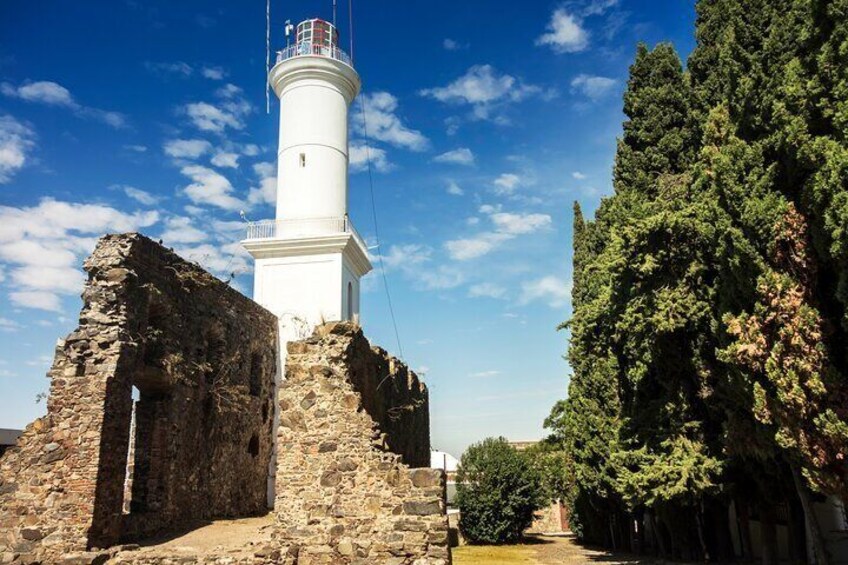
{"x":498,"y":492}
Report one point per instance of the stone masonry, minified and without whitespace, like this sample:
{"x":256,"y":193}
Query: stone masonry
{"x":202,"y":358}
{"x":350,"y":416}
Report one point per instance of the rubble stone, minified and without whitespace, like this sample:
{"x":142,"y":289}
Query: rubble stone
{"x":203,"y":358}
{"x":351,"y":482}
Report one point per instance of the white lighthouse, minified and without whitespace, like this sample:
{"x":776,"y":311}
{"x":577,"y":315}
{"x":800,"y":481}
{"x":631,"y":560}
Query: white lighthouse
{"x":310,"y":259}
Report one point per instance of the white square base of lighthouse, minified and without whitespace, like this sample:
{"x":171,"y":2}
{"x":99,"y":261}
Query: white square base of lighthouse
{"x":307,"y":281}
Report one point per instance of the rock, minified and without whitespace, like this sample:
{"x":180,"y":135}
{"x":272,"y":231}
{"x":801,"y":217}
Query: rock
{"x":422,"y":508}
{"x":345,"y":547}
{"x":347,"y":465}
{"x":327,"y":446}
{"x":268,"y":552}
{"x":422,"y":478}
{"x":31,"y":534}
{"x":331,"y":479}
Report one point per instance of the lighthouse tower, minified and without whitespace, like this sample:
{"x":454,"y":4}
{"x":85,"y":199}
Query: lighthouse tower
{"x":309,"y":260}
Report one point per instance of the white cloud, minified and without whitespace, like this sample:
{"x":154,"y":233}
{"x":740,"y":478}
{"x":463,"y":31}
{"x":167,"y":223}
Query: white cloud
{"x":441,"y":278}
{"x":209,"y":187}
{"x":565,"y":33}
{"x":454,"y":189}
{"x":177,"y":68}
{"x":35,"y":299}
{"x":222,"y":260}
{"x":598,"y":7}
{"x":520,"y":223}
{"x":554,"y":291}
{"x":486,"y":289}
{"x":54,"y":94}
{"x":224,"y":159}
{"x":593,"y":87}
{"x":414,"y":262}
{"x":461,"y":156}
{"x":479,"y":85}
{"x":52,"y":219}
{"x":64,"y":280}
{"x":213,"y":73}
{"x":453,"y":45}
{"x":266,"y":192}
{"x":179,"y":229}
{"x":136,"y":148}
{"x":227,"y":113}
{"x":384,"y":124}
{"x":250,"y":150}
{"x":43,"y":246}
{"x":8,"y":325}
{"x":16,"y":141}
{"x":359,"y":153}
{"x":506,"y":184}
{"x":139,"y":195}
{"x":578,"y":175}
{"x":507,"y":226}
{"x":186,"y":148}
{"x":43,"y":92}
{"x":477,"y":246}
{"x":484,"y":374}
{"x":405,"y":256}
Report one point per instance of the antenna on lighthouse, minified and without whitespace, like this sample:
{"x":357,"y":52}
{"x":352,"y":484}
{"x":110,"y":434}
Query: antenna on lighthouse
{"x":267,"y":55}
{"x":334,"y":13}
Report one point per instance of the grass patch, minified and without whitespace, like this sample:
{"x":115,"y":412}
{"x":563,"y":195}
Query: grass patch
{"x":494,"y":555}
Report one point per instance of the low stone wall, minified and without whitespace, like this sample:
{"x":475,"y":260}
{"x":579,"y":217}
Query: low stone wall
{"x":203,"y":359}
{"x":344,"y":493}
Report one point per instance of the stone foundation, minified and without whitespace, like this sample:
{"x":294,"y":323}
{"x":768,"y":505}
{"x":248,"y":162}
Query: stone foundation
{"x":344,"y":493}
{"x":202,"y":358}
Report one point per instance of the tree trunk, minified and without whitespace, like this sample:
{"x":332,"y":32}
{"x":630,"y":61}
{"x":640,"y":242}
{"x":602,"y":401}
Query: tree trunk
{"x":639,"y":521}
{"x":699,"y":522}
{"x":744,"y":517}
{"x":822,"y":556}
{"x":797,"y":532}
{"x":719,"y":526}
{"x":612,"y":531}
{"x":659,"y":540}
{"x":768,"y":531}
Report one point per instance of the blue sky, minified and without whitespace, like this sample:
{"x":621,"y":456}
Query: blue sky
{"x":487,"y":118}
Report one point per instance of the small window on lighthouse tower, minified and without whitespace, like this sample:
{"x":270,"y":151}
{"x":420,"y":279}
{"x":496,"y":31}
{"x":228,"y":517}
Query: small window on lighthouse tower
{"x":303,"y":159}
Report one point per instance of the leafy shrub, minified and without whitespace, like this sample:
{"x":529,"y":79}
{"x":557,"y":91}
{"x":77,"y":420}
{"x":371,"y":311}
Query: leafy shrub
{"x":498,"y":490}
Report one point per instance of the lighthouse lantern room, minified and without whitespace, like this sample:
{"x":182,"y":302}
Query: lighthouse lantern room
{"x":309,"y":260}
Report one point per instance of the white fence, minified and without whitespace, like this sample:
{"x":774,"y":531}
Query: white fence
{"x":305,"y":48}
{"x":290,"y":229}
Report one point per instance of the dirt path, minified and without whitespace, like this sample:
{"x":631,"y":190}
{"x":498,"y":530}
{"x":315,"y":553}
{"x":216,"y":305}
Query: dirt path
{"x":543,"y":550}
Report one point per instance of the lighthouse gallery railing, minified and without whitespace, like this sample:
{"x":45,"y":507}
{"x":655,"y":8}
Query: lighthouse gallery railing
{"x":307,"y":48}
{"x":284,"y":229}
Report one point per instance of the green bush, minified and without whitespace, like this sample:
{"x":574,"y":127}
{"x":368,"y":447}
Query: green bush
{"x":497,"y":492}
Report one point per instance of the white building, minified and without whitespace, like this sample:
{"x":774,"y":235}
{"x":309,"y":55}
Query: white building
{"x":309,"y":260}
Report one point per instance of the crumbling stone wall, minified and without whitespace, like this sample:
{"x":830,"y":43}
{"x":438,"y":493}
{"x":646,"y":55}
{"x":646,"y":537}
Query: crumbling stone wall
{"x":203,"y":358}
{"x":350,"y":416}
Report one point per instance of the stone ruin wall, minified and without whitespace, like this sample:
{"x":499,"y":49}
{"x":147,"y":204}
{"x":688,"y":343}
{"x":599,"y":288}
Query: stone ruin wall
{"x":353,"y":435}
{"x":350,"y":417}
{"x":203,"y":359}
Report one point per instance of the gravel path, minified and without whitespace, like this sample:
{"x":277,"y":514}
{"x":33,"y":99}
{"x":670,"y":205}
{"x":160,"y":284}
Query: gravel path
{"x":565,"y":550}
